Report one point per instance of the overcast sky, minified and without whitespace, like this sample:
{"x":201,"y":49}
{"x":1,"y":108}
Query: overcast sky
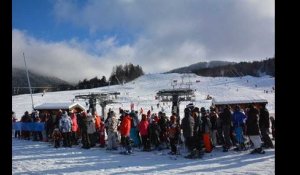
{"x":73,"y":40}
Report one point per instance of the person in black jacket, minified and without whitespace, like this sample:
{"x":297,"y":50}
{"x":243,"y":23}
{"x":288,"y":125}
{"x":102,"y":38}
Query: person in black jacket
{"x":198,"y":134}
{"x":225,"y":117}
{"x":264,"y":125}
{"x":187,"y":126}
{"x":253,"y":129}
{"x":154,"y":131}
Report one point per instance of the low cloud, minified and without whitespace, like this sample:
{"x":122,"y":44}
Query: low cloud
{"x":164,"y":35}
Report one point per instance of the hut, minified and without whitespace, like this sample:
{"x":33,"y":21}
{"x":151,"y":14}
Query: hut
{"x":53,"y":108}
{"x":242,"y":102}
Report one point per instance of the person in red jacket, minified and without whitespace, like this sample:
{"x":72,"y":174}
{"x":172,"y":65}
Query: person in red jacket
{"x":144,"y":128}
{"x":125,"y":132}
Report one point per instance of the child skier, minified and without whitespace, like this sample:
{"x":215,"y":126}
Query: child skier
{"x":56,"y":135}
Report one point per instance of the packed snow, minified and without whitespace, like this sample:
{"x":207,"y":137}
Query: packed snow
{"x":29,"y":157}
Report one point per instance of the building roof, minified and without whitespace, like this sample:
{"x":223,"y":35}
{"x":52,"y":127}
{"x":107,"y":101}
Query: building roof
{"x":238,"y":101}
{"x":65,"y":105}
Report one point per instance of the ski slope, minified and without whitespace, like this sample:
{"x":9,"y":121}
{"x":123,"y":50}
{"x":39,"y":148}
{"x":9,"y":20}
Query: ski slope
{"x":142,"y":92}
{"x":30,"y":157}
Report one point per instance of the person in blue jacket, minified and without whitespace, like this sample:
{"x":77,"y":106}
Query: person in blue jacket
{"x":238,"y":121}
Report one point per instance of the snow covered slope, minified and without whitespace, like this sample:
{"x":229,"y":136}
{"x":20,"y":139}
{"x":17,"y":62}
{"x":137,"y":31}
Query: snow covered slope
{"x":42,"y":159}
{"x":142,"y":92}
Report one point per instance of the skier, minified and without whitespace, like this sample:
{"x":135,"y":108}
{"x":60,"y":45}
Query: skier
{"x":91,"y":129}
{"x":206,"y":128}
{"x":25,"y":132}
{"x":56,"y":136}
{"x":111,"y":127}
{"x":238,"y":119}
{"x":213,"y":116}
{"x":134,"y":132}
{"x":187,"y":126}
{"x":74,"y":128}
{"x":65,"y":124}
{"x":82,"y":123}
{"x":163,"y":123}
{"x":253,"y":129}
{"x":264,"y":125}
{"x":225,"y":117}
{"x":174,"y":133}
{"x":154,"y":131}
{"x":125,"y":133}
{"x":144,"y":131}
{"x":198,"y":134}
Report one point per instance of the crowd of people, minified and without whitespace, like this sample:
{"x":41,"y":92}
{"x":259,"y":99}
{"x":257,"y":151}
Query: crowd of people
{"x":200,"y":131}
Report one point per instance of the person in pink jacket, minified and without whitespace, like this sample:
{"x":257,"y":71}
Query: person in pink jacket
{"x":74,"y":138}
{"x":144,"y":128}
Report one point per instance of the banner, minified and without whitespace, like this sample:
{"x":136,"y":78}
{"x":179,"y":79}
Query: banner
{"x":19,"y":126}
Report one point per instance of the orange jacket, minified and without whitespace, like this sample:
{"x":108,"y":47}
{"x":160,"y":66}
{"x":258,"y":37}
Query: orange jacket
{"x":97,"y":121}
{"x":126,"y":126}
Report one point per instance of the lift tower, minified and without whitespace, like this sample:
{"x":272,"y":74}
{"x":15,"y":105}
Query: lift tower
{"x":176,"y":96}
{"x":103,"y":99}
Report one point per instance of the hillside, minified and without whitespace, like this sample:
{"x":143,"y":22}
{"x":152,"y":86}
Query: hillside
{"x":19,"y":79}
{"x":255,"y":68}
{"x":200,"y":65}
{"x":230,"y":69}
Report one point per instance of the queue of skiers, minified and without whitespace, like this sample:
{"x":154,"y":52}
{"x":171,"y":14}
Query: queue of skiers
{"x":199,"y":131}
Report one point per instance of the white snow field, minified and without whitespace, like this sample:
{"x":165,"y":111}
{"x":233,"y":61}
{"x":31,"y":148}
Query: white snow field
{"x":29,"y":157}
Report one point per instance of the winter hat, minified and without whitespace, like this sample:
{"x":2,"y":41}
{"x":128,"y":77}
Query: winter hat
{"x":190,"y":105}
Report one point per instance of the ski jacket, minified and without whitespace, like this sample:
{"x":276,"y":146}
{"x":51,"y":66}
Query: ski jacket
{"x":111,"y":124}
{"x":154,"y":129}
{"x":206,"y":124}
{"x":264,"y":119}
{"x":56,"y":135}
{"x":213,"y":119}
{"x":252,"y":122}
{"x":90,"y":124}
{"x":74,"y":122}
{"x":238,"y":119}
{"x":144,"y":127}
{"x":163,"y":122}
{"x":174,"y":130}
{"x":125,"y":126}
{"x":65,"y":123}
{"x":97,"y":122}
{"x":187,"y":126}
{"x":225,"y":117}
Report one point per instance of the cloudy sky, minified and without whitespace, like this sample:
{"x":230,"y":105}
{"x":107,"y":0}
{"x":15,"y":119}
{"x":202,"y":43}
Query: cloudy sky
{"x":73,"y":39}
